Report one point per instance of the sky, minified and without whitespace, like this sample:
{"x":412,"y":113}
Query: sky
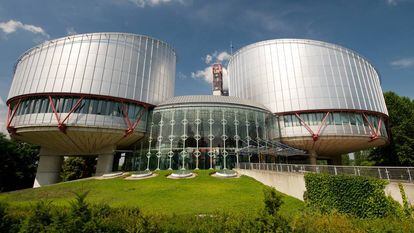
{"x":202,"y":31}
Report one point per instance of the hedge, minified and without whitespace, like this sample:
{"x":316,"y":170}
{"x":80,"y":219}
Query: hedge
{"x":363,"y":197}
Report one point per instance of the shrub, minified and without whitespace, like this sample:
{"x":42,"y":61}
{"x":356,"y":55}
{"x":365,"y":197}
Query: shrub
{"x":360,"y":196}
{"x":272,"y":200}
{"x":407,"y":208}
{"x":39,"y":219}
{"x":6,"y":222}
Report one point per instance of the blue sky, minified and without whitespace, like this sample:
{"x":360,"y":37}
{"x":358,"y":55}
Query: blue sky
{"x":380,"y":30}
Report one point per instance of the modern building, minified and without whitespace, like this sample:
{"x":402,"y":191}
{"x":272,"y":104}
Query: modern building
{"x":88,"y":95}
{"x":328,"y":98}
{"x":103,"y":94}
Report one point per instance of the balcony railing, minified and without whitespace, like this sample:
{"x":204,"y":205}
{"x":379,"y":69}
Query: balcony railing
{"x":401,"y":174}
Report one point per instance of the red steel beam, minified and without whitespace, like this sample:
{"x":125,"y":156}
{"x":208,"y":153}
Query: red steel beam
{"x":61,"y":126}
{"x":315,"y":137}
{"x":302,"y":122}
{"x":10,"y":115}
{"x":131,"y":127}
{"x":374,"y":132}
{"x":370,"y":112}
{"x":67,"y":94}
{"x":73,"y":109}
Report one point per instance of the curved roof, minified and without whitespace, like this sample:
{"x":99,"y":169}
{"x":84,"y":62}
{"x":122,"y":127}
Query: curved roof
{"x":210,"y":99}
{"x":298,"y":41}
{"x":53,"y":41}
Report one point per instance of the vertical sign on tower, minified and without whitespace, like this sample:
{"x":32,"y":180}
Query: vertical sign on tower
{"x":217,"y":79}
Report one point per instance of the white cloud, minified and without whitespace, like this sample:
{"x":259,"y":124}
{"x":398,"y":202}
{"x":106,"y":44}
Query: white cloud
{"x":206,"y":74}
{"x":403,"y":63}
{"x":181,"y":76}
{"x":3,"y":116}
{"x":392,"y":2}
{"x":12,"y":26}
{"x":71,"y":31}
{"x":152,"y":3}
{"x":218,"y":57}
{"x":208,"y":59}
{"x":395,"y":2}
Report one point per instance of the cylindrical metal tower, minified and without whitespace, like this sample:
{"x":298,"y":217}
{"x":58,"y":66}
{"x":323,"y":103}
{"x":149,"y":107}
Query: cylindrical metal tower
{"x":89,"y":94}
{"x":328,"y":98}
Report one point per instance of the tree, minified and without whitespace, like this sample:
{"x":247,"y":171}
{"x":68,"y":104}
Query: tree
{"x":18,"y":164}
{"x":75,"y":168}
{"x":400,"y":151}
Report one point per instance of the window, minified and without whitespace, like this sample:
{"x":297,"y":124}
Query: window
{"x":93,"y":108}
{"x":345,"y":118}
{"x":68,"y":105}
{"x":352,"y":118}
{"x":85,"y":106}
{"x":359,"y":119}
{"x":337,"y":119}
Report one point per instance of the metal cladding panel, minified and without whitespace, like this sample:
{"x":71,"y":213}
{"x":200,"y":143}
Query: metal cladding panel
{"x":112,"y":64}
{"x":210,"y":100}
{"x":295,"y":75}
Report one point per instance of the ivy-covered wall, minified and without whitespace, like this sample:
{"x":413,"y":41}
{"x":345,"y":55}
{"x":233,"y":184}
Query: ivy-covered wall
{"x":360,"y":196}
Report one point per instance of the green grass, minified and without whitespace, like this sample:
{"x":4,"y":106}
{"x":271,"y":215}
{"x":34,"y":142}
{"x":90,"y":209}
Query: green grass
{"x":200,"y":195}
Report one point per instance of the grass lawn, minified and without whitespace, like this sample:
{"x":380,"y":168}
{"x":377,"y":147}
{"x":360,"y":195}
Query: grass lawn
{"x":200,"y":195}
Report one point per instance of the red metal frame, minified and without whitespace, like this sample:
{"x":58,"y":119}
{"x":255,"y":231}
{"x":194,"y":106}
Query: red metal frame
{"x":375,"y":132}
{"x":131,"y":127}
{"x":315,"y":136}
{"x":77,"y":95}
{"x":61,"y":124}
{"x":10,"y":115}
{"x":334,"y":110}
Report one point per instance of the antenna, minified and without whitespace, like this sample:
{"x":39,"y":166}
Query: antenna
{"x":231,"y":48}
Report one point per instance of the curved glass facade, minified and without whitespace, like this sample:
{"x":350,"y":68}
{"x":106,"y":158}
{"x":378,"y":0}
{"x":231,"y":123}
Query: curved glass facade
{"x":121,"y":65}
{"x":90,"y":112}
{"x":343,"y":123}
{"x":289,"y":75}
{"x":206,"y":135}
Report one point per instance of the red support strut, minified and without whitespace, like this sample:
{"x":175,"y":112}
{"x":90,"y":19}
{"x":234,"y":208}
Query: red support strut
{"x":375,"y":133}
{"x":315,"y":136}
{"x":61,"y":124}
{"x":10,"y":115}
{"x":131,"y":127}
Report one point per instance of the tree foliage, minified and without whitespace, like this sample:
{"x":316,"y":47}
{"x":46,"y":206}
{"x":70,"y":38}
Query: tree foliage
{"x":75,"y":168}
{"x":400,"y":151}
{"x":18,"y":164}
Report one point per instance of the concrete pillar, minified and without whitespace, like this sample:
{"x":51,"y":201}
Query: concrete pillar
{"x":312,"y":157}
{"x":104,"y":164}
{"x":48,"y":170}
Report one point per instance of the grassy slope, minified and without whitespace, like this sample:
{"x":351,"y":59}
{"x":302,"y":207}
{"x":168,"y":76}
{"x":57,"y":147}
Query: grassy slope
{"x":203,"y":194}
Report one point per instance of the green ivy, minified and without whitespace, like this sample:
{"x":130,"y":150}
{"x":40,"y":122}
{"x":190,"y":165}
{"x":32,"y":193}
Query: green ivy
{"x":363,"y":197}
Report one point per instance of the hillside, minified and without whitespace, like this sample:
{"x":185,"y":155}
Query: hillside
{"x":200,"y":195}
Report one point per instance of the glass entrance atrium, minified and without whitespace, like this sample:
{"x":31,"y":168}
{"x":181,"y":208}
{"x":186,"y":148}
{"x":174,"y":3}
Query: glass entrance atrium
{"x":203,"y":132}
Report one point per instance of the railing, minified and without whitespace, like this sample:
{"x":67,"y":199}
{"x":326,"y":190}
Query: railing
{"x":405,"y":174}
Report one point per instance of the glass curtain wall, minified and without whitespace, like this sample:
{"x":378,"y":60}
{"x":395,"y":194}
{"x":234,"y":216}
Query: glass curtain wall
{"x":203,"y":137}
{"x":336,"y":118}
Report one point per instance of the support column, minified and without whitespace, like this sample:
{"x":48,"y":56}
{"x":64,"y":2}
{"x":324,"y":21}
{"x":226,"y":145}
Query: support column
{"x":104,"y":164}
{"x":312,"y":157}
{"x":48,"y":170}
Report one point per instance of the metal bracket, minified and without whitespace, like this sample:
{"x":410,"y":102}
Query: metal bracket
{"x":61,"y":124}
{"x":131,"y":127}
{"x":375,"y":132}
{"x":315,"y":136}
{"x":10,"y":115}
